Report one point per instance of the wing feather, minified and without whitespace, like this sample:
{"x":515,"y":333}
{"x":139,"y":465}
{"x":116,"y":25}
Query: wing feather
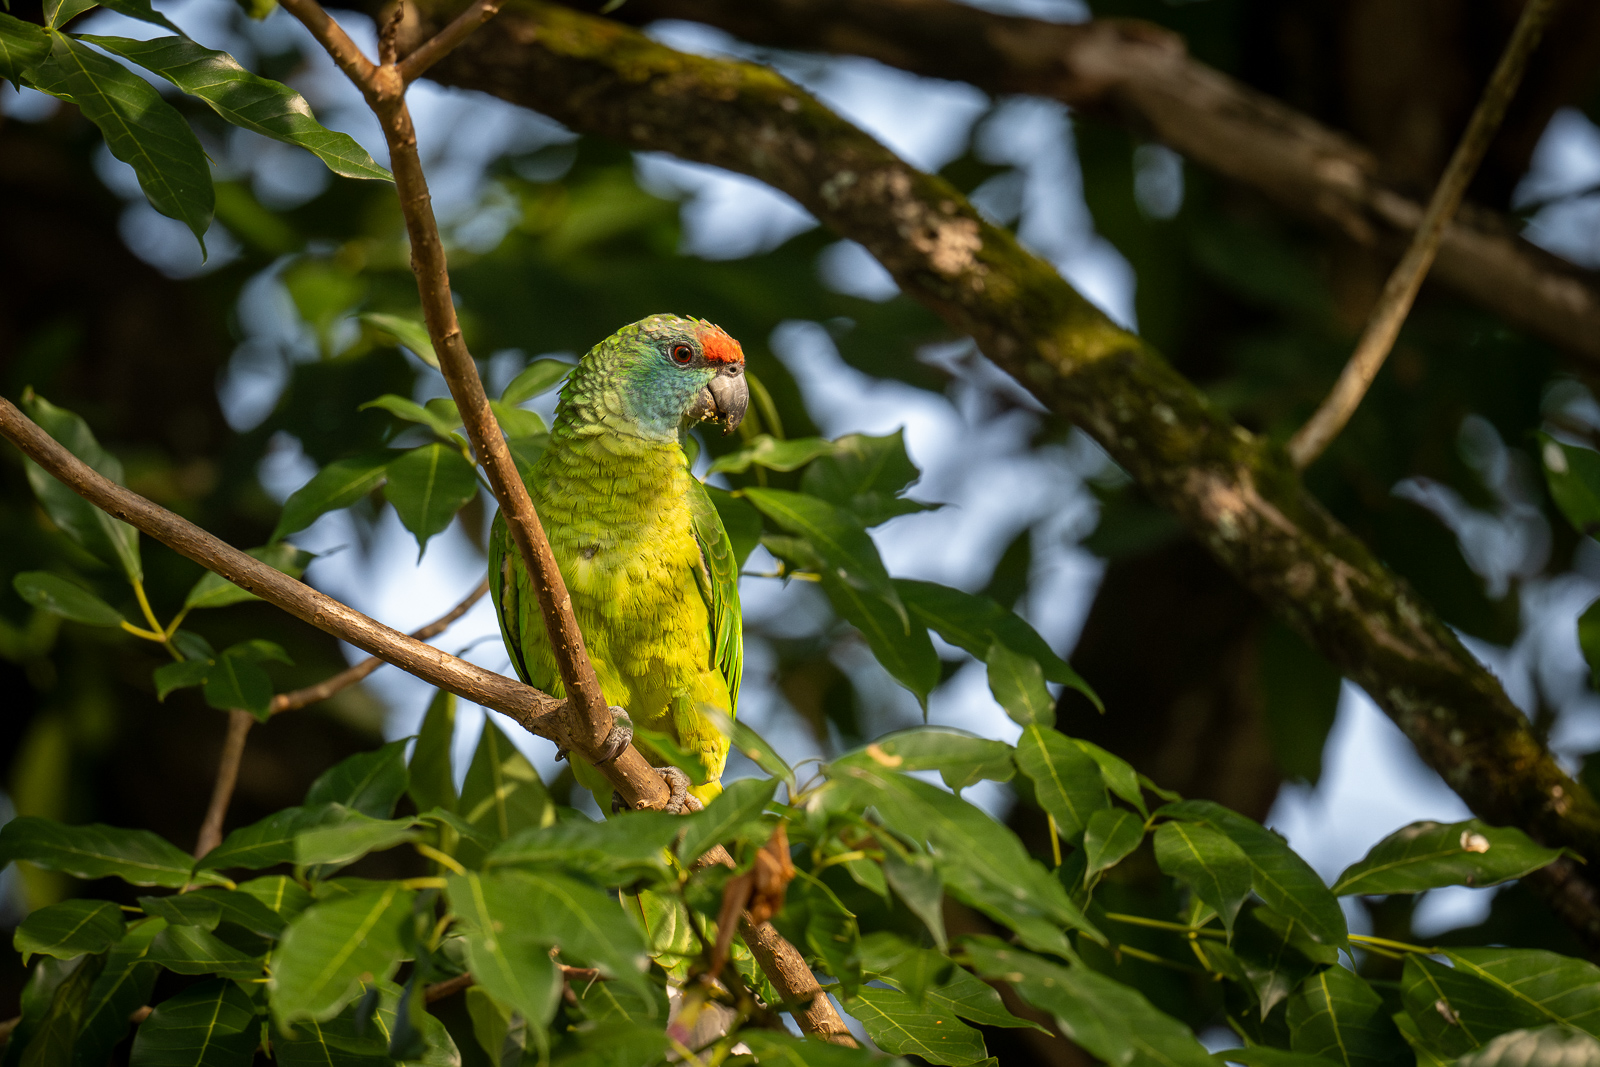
{"x":718,"y":578}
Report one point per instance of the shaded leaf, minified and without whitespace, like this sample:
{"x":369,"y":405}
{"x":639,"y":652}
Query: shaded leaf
{"x":431,"y":777}
{"x":1336,"y":1015}
{"x":773,"y":454}
{"x":327,"y":948}
{"x":69,"y":929}
{"x":1111,"y":835}
{"x":110,"y":540}
{"x":22,"y":46}
{"x":215,"y":591}
{"x":1573,"y":474}
{"x":1562,"y":989}
{"x":1017,"y":682}
{"x":206,"y":908}
{"x":537,"y":378}
{"x":752,"y":745}
{"x":1207,"y":861}
{"x":866,"y":476}
{"x":191,"y":950}
{"x":786,"y":1050}
{"x":412,"y":333}
{"x":613,"y":852}
{"x":61,"y":597}
{"x":210,"y":1024}
{"x":899,"y":1027}
{"x":122,"y":986}
{"x":368,"y":782}
{"x":513,"y":966}
{"x":236,"y":681}
{"x":1066,"y":782}
{"x":443,"y":423}
{"x":502,"y":793}
{"x":1454,"y":1011}
{"x":96,"y":851}
{"x":427,"y":486}
{"x":1427,"y":855}
{"x":338,"y":485}
{"x":733,"y":815}
{"x":915,"y":880}
{"x":838,"y":537}
{"x":904,"y":651}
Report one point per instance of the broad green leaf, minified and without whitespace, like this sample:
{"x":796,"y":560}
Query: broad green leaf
{"x":751,"y":745}
{"x":247,"y":100}
{"x":239,"y":682}
{"x":191,"y":950}
{"x":1336,"y":1015}
{"x":1066,"y":782}
{"x":120,"y":988}
{"x":915,"y":880}
{"x":368,"y":782}
{"x":960,"y":758}
{"x":1279,"y":877}
{"x":427,"y":486}
{"x":1562,"y":989}
{"x":140,"y":9}
{"x":517,"y":422}
{"x":110,"y":540}
{"x":537,"y":378}
{"x":1119,"y":776}
{"x":815,"y":920}
{"x":352,"y":837}
{"x":1111,"y":835}
{"x":1269,"y":954}
{"x":838,"y":537}
{"x":1427,"y":855}
{"x":785,"y":1050}
{"x":442,"y":423}
{"x":866,"y":476}
{"x":58,"y":1007}
{"x":1207,"y":861}
{"x":69,"y":929}
{"x":1425,"y":1055}
{"x":734,"y":814}
{"x":181,"y":675}
{"x":773,"y":454}
{"x":511,"y":965}
{"x":1017,"y":682}
{"x":499,"y":1030}
{"x":142,"y":130}
{"x":22,"y":46}
{"x":1112,"y":1022}
{"x":338,"y":485}
{"x":899,"y":1027}
{"x":327,"y":833}
{"x":281,"y":895}
{"x":431,"y":779}
{"x":215,"y":591}
{"x":904,"y":650}
{"x":322,"y":956}
{"x":210,"y":1024}
{"x":1546,"y":1046}
{"x":502,"y":793}
{"x":61,"y":597}
{"x":981,"y":861}
{"x":186,"y":909}
{"x":412,"y":333}
{"x":525,"y":452}
{"x":613,"y":852}
{"x":585,"y":922}
{"x":96,"y":851}
{"x":58,"y":13}
{"x":1454,"y":1011}
{"x":975,"y":623}
{"x":1573,"y":474}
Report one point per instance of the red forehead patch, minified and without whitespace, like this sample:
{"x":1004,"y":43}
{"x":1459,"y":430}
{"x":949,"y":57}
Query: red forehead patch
{"x":719,"y":347}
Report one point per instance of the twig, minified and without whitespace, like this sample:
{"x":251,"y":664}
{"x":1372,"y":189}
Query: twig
{"x":239,"y":723}
{"x":440,"y":990}
{"x":1400,"y":291}
{"x":444,"y":42}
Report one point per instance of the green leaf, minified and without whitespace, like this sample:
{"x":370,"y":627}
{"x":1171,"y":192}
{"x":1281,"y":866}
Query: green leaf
{"x":69,"y":929}
{"x":502,"y":793}
{"x":865,"y":476}
{"x":752,"y":745}
{"x":1270,"y":955}
{"x":280,"y":894}
{"x":734,"y":814}
{"x":53,"y":1015}
{"x":442,"y":423}
{"x":1111,"y":1021}
{"x":328,"y":833}
{"x":904,"y":650}
{"x":431,"y":781}
{"x":210,"y":1024}
{"x":1111,"y":835}
{"x":899,"y":1027}
{"x":838,"y":537}
{"x":814,"y":918}
{"x":915,"y":880}
{"x":1066,"y":782}
{"x":515,"y":421}
{"x":412,"y":333}
{"x":549,"y":909}
{"x":140,"y":9}
{"x":141,"y":129}
{"x":1120,"y":778}
{"x":1336,"y":1015}
{"x":1017,"y":682}
{"x":191,"y":950}
{"x":427,"y":486}
{"x":537,"y":378}
{"x":961,"y":758}
{"x":512,"y":966}
{"x":785,"y":1050}
{"x":1562,"y":989}
{"x":1279,"y":877}
{"x":1427,"y":855}
{"x":58,"y":13}
{"x":61,"y":597}
{"x":1267,"y":1056}
{"x":1547,"y":1046}
{"x":237,"y":682}
{"x":975,"y":623}
{"x":499,"y":1030}
{"x":1573,"y":474}
{"x":1207,"y":861}
{"x":338,"y":485}
{"x":368,"y":782}
{"x":121,"y":987}
{"x":22,"y":46}
{"x":775,"y":455}
{"x":109,"y":540}
{"x":1426,"y":1057}
{"x":247,"y":100}
{"x":181,"y":675}
{"x":351,"y":837}
{"x":96,"y":851}
{"x":1454,"y":1011}
{"x":614,"y":852}
{"x":322,"y":956}
{"x":525,"y":452}
{"x":215,"y":591}
{"x":186,"y":909}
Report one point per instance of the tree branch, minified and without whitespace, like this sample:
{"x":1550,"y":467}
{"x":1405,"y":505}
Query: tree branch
{"x":1400,"y":291}
{"x":1236,"y":493}
{"x":1138,"y":74}
{"x":444,"y":42}
{"x":210,"y":836}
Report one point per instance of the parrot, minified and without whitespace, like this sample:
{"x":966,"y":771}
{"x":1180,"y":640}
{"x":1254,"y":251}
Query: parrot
{"x":646,"y":560}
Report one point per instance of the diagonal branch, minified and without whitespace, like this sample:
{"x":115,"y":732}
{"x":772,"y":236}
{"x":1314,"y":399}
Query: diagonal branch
{"x":1236,"y":493}
{"x":1138,"y":75}
{"x":1405,"y":281}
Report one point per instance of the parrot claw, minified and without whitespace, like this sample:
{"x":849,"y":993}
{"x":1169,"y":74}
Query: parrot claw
{"x":620,"y":737}
{"x":679,"y":801}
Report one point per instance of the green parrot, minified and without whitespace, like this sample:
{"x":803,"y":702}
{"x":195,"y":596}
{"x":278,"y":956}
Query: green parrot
{"x":647,"y":562}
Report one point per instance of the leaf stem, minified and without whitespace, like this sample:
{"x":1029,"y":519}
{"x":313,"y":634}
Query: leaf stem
{"x":1160,"y":924}
{"x":443,"y":859}
{"x":1368,"y":941}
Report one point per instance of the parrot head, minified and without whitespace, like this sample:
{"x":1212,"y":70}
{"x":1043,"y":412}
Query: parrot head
{"x":661,"y":374}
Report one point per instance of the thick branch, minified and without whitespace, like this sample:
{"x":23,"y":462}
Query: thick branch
{"x":1139,"y":75}
{"x":1235,"y":492}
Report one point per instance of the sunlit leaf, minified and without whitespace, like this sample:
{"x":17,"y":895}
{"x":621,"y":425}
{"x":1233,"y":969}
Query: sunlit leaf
{"x":427,"y":486}
{"x":1454,"y":1011}
{"x":1017,"y":682}
{"x":322,"y":956}
{"x":511,"y":965}
{"x":837,"y":536}
{"x":752,"y":745}
{"x":899,"y":1027}
{"x":613,"y":852}
{"x":69,"y":929}
{"x":22,"y":46}
{"x":96,"y":851}
{"x":1428,"y":855}
{"x":502,"y":793}
{"x":431,"y":778}
{"x":442,"y":423}
{"x":215,"y":591}
{"x":368,"y":782}
{"x":412,"y":333}
{"x":61,"y":597}
{"x":734,"y":814}
{"x":1066,"y":782}
{"x":338,"y":485}
{"x":538,"y":377}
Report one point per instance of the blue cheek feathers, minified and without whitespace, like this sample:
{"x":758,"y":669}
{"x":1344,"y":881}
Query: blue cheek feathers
{"x":658,"y":395}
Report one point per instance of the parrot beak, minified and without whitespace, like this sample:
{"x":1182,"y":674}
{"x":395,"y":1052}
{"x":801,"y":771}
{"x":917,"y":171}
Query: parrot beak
{"x":726,"y":398}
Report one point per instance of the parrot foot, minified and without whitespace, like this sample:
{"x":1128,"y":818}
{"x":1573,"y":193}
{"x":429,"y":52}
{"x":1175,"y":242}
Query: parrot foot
{"x":620,"y":737}
{"x":679,"y":801}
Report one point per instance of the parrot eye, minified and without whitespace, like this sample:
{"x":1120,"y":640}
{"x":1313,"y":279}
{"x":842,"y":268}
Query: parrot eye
{"x":682,"y":355}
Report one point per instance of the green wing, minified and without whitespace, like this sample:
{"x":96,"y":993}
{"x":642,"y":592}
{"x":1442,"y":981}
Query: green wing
{"x":506,"y":593}
{"x":718,"y":576}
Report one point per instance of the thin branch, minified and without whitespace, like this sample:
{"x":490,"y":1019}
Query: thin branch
{"x":1400,"y":291}
{"x":445,"y":41}
{"x":239,"y":723}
